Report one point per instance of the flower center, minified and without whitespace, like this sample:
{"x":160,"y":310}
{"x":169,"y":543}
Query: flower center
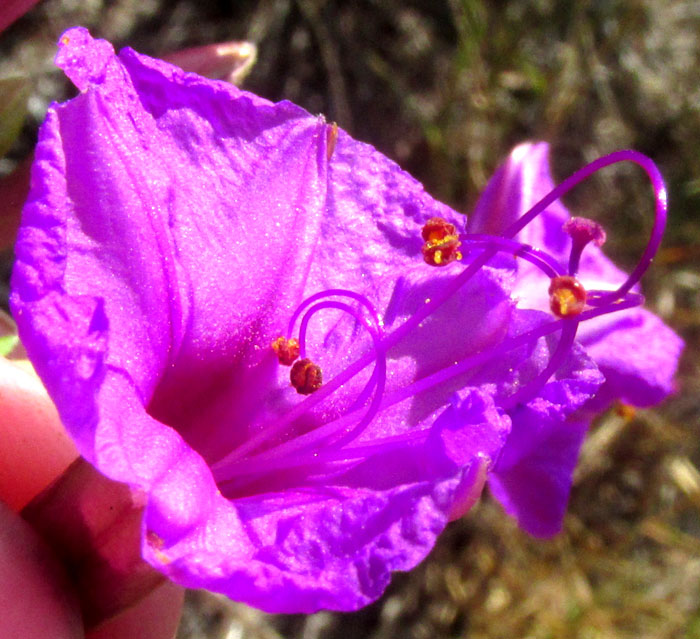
{"x":569,"y":300}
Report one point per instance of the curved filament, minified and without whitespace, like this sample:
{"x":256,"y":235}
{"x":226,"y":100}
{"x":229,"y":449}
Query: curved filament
{"x":334,"y":292}
{"x":378,"y":376}
{"x":377,"y":379}
{"x":660,"y":209}
{"x":542,"y":260}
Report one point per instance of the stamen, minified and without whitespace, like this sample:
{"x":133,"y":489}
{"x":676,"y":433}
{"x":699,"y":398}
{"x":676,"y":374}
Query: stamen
{"x":441,"y":242}
{"x":227,"y":469}
{"x":378,"y":377}
{"x":331,"y":139}
{"x":287,"y":350}
{"x":306,"y":376}
{"x":582,"y":231}
{"x":436,"y":230}
{"x":609,"y":301}
{"x":442,"y":248}
{"x":567,"y":297}
{"x":387,"y":341}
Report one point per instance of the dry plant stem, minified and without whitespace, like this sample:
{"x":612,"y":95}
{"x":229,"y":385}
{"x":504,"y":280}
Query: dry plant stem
{"x":93,"y":524}
{"x":11,"y":10}
{"x":331,"y":61}
{"x":13,"y":192}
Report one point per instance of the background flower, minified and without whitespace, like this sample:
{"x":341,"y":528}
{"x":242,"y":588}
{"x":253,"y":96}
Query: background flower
{"x":636,"y":352}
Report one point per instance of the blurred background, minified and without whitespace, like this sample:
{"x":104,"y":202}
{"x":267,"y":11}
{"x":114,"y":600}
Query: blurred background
{"x":446,"y":88}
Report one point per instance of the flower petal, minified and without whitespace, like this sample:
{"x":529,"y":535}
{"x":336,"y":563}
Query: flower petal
{"x":113,"y":215}
{"x":533,"y":475}
{"x":303,"y":550}
{"x":634,"y":375}
{"x":335,"y":544}
{"x":519,"y":183}
{"x":535,"y":489}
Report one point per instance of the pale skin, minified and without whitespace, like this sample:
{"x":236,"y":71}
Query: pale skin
{"x":35,"y":595}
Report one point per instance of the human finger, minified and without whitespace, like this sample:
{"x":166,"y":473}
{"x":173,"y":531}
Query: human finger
{"x":35,"y":598}
{"x":35,"y":448}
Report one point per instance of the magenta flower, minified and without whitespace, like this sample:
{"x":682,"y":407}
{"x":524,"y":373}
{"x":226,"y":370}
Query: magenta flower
{"x":183,"y":242}
{"x":637,"y":353}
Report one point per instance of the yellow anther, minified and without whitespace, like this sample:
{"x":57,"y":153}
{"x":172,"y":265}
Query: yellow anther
{"x":567,"y":297}
{"x":441,"y":242}
{"x":287,"y":350}
{"x":306,"y":376}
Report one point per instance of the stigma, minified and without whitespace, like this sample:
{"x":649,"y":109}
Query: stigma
{"x":331,"y":139}
{"x":567,"y":296}
{"x":582,"y":231}
{"x":441,"y":242}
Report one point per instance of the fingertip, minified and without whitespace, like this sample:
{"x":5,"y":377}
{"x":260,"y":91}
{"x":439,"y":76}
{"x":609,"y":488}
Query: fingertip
{"x":35,"y":597}
{"x":156,"y":616}
{"x":35,"y":447}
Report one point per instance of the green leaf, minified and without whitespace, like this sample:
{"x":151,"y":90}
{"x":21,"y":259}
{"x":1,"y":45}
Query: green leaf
{"x":7,"y":344}
{"x":14,"y":93}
